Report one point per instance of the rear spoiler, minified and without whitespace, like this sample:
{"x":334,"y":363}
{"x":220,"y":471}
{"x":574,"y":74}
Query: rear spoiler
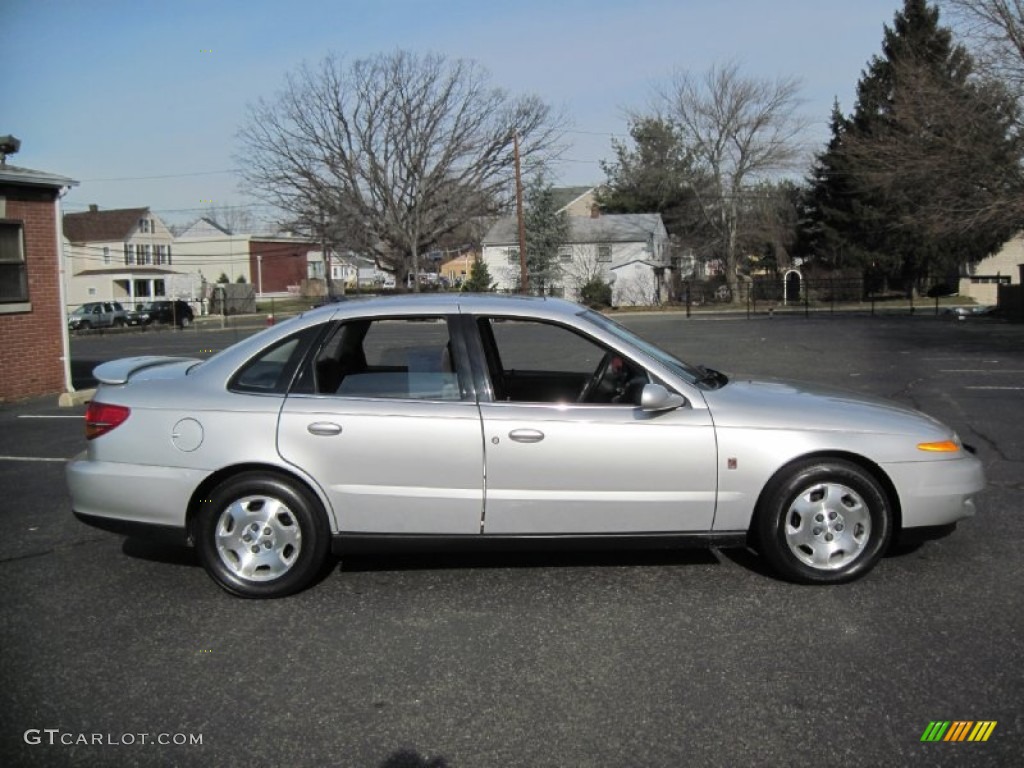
{"x":119,"y":371}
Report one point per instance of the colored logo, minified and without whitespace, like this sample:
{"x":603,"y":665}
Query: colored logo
{"x":958,"y":730}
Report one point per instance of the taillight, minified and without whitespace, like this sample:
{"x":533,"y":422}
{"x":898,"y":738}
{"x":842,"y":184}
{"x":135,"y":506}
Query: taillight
{"x":100,"y":418}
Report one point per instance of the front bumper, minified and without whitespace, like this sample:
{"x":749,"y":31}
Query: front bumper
{"x":937,"y":493}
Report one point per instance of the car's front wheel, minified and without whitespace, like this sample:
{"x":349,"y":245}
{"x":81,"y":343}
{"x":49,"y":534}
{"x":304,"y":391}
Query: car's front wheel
{"x":185,"y":321}
{"x":262,"y":535}
{"x":824,"y":522}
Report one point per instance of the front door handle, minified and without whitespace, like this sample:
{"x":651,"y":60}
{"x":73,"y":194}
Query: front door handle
{"x":526,"y":435}
{"x":325,"y":428}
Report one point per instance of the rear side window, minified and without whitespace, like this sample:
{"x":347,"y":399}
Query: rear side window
{"x":270,"y":371}
{"x":397,"y":358}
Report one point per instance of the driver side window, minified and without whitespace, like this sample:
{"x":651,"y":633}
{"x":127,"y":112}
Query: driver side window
{"x":537,"y":362}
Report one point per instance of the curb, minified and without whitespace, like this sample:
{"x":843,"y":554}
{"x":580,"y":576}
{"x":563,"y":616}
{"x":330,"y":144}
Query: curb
{"x":79,"y":397}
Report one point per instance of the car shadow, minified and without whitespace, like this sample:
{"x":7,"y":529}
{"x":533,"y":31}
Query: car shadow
{"x":749,"y":560}
{"x":173,"y":554}
{"x":160,"y":552}
{"x":408,"y":758}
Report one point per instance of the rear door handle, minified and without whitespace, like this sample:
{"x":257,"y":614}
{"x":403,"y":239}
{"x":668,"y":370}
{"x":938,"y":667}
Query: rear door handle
{"x":325,"y":428}
{"x":526,"y":435}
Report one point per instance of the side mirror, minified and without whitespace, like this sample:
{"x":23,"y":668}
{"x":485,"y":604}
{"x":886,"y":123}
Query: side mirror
{"x":656,"y":398}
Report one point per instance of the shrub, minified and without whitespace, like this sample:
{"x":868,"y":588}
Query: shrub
{"x":596,"y":293}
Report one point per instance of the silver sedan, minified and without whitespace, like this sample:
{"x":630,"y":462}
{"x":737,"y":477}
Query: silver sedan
{"x":451,"y":421}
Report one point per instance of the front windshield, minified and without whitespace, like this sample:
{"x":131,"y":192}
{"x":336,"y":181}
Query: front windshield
{"x":683,"y":370}
{"x":80,"y":311}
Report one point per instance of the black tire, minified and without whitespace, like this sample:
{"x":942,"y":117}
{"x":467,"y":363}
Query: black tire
{"x":291,"y":538}
{"x":118,"y":322}
{"x":824,"y":522}
{"x":185,"y":321}
{"x":85,"y":325}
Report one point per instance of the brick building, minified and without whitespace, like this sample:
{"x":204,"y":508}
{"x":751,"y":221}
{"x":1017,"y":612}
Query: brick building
{"x":33,"y":335}
{"x":278,"y":264}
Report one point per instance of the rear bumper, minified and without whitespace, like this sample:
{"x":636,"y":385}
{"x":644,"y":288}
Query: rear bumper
{"x":119,"y":497}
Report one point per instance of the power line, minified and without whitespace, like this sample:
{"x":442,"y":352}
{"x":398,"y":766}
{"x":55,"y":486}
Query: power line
{"x":165,"y":176}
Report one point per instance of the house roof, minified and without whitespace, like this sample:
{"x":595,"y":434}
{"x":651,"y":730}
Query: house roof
{"x":134,"y":269}
{"x":611,"y":228}
{"x":204,"y":227}
{"x":94,"y":226}
{"x":12,"y":174}
{"x":565,"y":196}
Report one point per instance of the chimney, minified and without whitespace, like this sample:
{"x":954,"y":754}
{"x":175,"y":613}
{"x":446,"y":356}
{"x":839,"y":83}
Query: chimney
{"x":595,"y":211}
{"x":93,"y":208}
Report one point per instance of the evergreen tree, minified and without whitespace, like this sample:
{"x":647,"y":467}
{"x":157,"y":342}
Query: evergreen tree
{"x":654,"y":175}
{"x":901,"y":187}
{"x":547,"y":229}
{"x":480,"y":280}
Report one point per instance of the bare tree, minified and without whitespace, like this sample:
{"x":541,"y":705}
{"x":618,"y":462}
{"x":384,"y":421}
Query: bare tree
{"x":235,"y":219}
{"x":390,"y":152}
{"x":995,"y":31}
{"x":739,"y":130}
{"x":584,"y":267}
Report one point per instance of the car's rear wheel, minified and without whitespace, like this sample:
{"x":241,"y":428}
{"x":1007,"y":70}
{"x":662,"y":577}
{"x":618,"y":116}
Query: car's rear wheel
{"x":119,"y":322}
{"x":185,"y":321}
{"x":262,"y":535}
{"x":824,"y":522}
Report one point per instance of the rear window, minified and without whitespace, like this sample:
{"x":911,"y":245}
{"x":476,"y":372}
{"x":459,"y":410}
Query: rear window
{"x":271,"y":371}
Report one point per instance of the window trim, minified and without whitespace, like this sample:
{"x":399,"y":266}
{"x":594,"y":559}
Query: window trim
{"x":23,"y":301}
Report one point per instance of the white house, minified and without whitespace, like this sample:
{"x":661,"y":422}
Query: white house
{"x":982,"y":279}
{"x":121,"y":255}
{"x":211,"y":251}
{"x":349,"y":268}
{"x":628,"y":250}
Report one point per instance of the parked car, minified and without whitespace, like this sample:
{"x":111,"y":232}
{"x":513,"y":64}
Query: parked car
{"x":177,"y":312}
{"x":475,"y":421}
{"x":98,"y":314}
{"x":979,"y":310}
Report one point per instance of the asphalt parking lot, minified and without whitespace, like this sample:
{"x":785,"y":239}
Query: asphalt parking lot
{"x":617,"y":659}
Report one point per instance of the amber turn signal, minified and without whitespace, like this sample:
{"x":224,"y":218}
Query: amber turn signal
{"x":944,"y":446}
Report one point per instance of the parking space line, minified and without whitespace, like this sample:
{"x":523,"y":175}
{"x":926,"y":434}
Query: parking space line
{"x":1015,"y":389}
{"x":32,"y":416}
{"x":979,"y":370}
{"x":31,"y":458}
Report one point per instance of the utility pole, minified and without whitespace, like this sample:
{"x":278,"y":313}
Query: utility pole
{"x":328,"y":279}
{"x":524,"y":277}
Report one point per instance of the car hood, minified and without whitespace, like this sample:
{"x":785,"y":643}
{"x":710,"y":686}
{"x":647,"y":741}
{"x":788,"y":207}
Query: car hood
{"x":776,"y":404}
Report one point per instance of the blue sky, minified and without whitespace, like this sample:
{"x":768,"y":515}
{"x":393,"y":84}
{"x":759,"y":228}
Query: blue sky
{"x":113,"y":93}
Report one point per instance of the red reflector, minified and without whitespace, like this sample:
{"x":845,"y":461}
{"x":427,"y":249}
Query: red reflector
{"x":100,"y":418}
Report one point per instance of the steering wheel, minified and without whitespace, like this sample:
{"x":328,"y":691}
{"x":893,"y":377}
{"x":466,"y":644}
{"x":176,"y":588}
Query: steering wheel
{"x":593,"y":384}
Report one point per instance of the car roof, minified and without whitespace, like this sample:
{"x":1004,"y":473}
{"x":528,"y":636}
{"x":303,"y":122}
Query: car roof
{"x":448,"y":303}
